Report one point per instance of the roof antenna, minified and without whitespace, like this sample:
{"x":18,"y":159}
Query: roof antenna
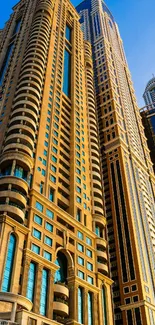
{"x":153,"y":75}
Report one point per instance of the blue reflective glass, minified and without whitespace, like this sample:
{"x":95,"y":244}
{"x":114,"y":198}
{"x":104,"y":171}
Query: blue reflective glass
{"x":6,"y":63}
{"x":31,"y":281}
{"x":9,"y":264}
{"x":90,"y":309}
{"x":67,"y":74}
{"x":68,"y":33}
{"x":17,"y":26}
{"x":80,"y":306}
{"x":49,"y":214}
{"x":43,"y":297}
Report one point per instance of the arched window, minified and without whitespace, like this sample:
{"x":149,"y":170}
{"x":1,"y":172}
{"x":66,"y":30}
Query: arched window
{"x":80,"y":306}
{"x":6,"y":282}
{"x":44,"y":288}
{"x":61,"y":273}
{"x":104,"y":306}
{"x":31,"y":281}
{"x":90,"y":309}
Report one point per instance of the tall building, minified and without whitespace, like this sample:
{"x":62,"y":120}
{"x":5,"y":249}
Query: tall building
{"x":126,"y":168}
{"x":53,"y":248}
{"x":149,"y":93}
{"x":148,"y":117}
{"x":64,"y":146}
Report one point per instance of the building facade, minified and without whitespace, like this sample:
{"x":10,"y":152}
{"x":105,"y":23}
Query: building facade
{"x":53,"y":260}
{"x":127,"y":171}
{"x":148,"y":117}
{"x":149,"y":93}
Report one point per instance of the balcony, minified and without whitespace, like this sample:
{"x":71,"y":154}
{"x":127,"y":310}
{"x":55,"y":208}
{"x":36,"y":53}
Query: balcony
{"x":61,"y":289}
{"x":61,"y":308}
{"x":13,"y":211}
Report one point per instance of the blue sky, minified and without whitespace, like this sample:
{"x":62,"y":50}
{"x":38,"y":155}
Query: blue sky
{"x":136,"y":21}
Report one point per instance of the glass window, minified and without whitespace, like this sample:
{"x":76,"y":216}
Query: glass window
{"x":80,"y":274}
{"x":80,"y":247}
{"x":80,"y":235}
{"x":35,"y":249}
{"x":48,"y":240}
{"x":78,"y":199}
{"x":78,"y":180}
{"x":43,"y":172}
{"x":39,"y":206}
{"x":54,"y":150}
{"x":88,"y":252}
{"x":44,"y":162}
{"x":90,"y":279}
{"x":45,"y":152}
{"x":44,"y":291}
{"x":52,"y":178}
{"x":78,"y":215}
{"x":68,"y":33}
{"x":51,"y":195}
{"x":90,"y":309}
{"x":49,"y":213}
{"x":36,"y":233}
{"x":88,"y":241}
{"x":31,"y":281}
{"x":6,"y":62}
{"x":49,"y":227}
{"x":80,"y":306}
{"x":47,"y":255}
{"x":53,"y":168}
{"x":80,"y":260}
{"x":6,"y":281}
{"x":67,"y":74}
{"x":46,"y":143}
{"x":54,"y":159}
{"x":89,"y":266}
{"x":38,"y":219}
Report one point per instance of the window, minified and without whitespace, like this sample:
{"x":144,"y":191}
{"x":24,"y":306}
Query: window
{"x":80,"y":247}
{"x":36,"y":233}
{"x":80,"y":235}
{"x":90,"y":309}
{"x":78,"y":199}
{"x":88,"y":252}
{"x":31,"y":281}
{"x":39,"y":206}
{"x":44,"y":162}
{"x":89,"y":266}
{"x":45,"y":143}
{"x":43,"y":172}
{"x":49,"y":213}
{"x":48,"y":240}
{"x":47,"y":255}
{"x":35,"y":249}
{"x":54,"y":150}
{"x":38,"y":219}
{"x":80,"y":306}
{"x":52,"y":178}
{"x":90,"y":279}
{"x":80,"y":260}
{"x":6,"y":62}
{"x":49,"y":227}
{"x":88,"y":241}
{"x":54,"y":159}
{"x":78,"y":215}
{"x":45,"y":152}
{"x":51,"y":195}
{"x":6,"y":281}
{"x":67,"y":74}
{"x":44,"y":291}
{"x":53,"y":168}
{"x":68,"y":33}
{"x":81,"y":274}
{"x":78,"y":180}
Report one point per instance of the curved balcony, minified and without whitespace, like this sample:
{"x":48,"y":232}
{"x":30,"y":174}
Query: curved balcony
{"x":101,"y":242}
{"x":61,"y":290}
{"x":102,"y":254}
{"x":24,"y":160}
{"x":12,"y":211}
{"x":20,"y":147}
{"x":102,"y":268}
{"x":18,"y":183}
{"x":60,"y":308}
{"x":14,"y":196}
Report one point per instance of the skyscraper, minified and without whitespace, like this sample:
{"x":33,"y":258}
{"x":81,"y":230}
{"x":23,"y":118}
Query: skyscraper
{"x":53,"y":260}
{"x":65,"y":145}
{"x":126,"y":168}
{"x":149,"y":93}
{"x":148,"y":117}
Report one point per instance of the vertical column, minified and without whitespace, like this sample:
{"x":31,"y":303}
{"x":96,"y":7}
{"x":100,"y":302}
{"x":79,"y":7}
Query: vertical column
{"x":50,"y":295}
{"x":73,"y":301}
{"x":85,"y":305}
{"x":26,"y":267}
{"x":95,"y":309}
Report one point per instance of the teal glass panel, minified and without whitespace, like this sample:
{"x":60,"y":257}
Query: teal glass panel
{"x":6,"y":281}
{"x":80,"y":306}
{"x":67,"y":74}
{"x":90,"y":309}
{"x":68,"y":33}
{"x":31,"y":281}
{"x":43,"y":297}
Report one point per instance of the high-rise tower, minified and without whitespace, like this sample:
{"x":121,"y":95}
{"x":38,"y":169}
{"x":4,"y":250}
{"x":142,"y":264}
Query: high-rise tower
{"x":53,"y":248}
{"x":149,"y":93}
{"x":127,"y":170}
